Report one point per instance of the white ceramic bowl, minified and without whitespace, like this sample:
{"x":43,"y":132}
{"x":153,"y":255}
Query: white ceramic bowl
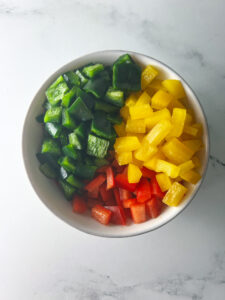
{"x":47,"y":190}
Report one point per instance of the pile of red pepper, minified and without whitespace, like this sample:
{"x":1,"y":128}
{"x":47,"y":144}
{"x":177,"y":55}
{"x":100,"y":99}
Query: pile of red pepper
{"x":112,"y":199}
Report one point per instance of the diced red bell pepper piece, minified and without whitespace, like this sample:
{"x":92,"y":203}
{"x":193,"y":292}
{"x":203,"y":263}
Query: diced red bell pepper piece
{"x":156,"y":191}
{"x":101,"y":214}
{"x":122,"y":182}
{"x":92,"y":202}
{"x":143,"y":190}
{"x":154,"y":207}
{"x":110,"y":178}
{"x":127,"y":213}
{"x":147,"y":173}
{"x":124,"y":194}
{"x":93,"y":194}
{"x":138,"y":212}
{"x":79,"y":204}
{"x":128,"y":202}
{"x":117,"y":197}
{"x":102,"y":169}
{"x":119,"y":169}
{"x":95,"y":183}
{"x":107,"y":196}
{"x":118,"y":215}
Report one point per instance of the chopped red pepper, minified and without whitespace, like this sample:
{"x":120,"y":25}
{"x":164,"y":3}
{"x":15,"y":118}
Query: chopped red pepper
{"x":156,"y":189}
{"x":95,"y":183}
{"x":117,"y":197}
{"x":107,"y":196}
{"x":124,"y":194}
{"x":143,"y":190}
{"x":154,"y":207}
{"x":128,"y":202}
{"x":119,"y":169}
{"x":138,"y":212}
{"x":122,"y":182}
{"x":101,"y":214}
{"x":93,"y":194}
{"x":118,"y":215}
{"x":110,"y":178}
{"x":102,"y":169}
{"x":147,"y":173}
{"x":79,"y":204}
{"x":92,"y":202}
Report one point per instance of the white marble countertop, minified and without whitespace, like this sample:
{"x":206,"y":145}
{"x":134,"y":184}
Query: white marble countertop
{"x":40,"y":256}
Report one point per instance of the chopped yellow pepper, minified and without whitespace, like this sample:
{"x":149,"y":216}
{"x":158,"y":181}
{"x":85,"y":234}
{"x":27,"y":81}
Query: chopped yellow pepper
{"x":158,"y":132}
{"x":147,"y":75}
{"x":166,"y":167}
{"x":193,"y":145}
{"x":126,"y":144}
{"x":175,"y":104}
{"x":161,"y":99}
{"x":120,"y":129}
{"x":144,"y":99}
{"x":189,"y":119}
{"x":134,"y":173}
{"x":174,"y":87}
{"x":191,"y":176}
{"x":176,"y":151}
{"x":196,"y":161}
{"x":175,"y":194}
{"x":124,"y":112}
{"x":156,"y":85}
{"x":131,"y":100}
{"x":186,"y":166}
{"x":145,"y":152}
{"x":151,"y":164}
{"x":140,"y":136}
{"x":191,"y":130}
{"x":137,"y":162}
{"x":157,"y":116}
{"x":124,"y":158}
{"x":178,"y":119}
{"x":140,"y":111}
{"x":135,"y":126}
{"x":164,"y":181}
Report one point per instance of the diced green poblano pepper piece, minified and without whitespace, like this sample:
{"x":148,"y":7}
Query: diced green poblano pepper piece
{"x":66,"y":99}
{"x":67,"y":120}
{"x":114,"y":118}
{"x":68,"y":190}
{"x":93,"y":70}
{"x":40,"y":118}
{"x":80,"y":110}
{"x":71,"y":78}
{"x":50,"y":146}
{"x":75,"y":141}
{"x":85,"y":171}
{"x":97,"y":146}
{"x":115,"y":97}
{"x":126,"y":74}
{"x":97,"y":86}
{"x":83,"y":79}
{"x":72,"y":180}
{"x":53,"y":129}
{"x":101,"y":126}
{"x":67,"y":163}
{"x":100,"y":162}
{"x":56,"y":90}
{"x":48,"y":158}
{"x":63,"y":138}
{"x":81,"y":130}
{"x":53,"y":115}
{"x":47,"y":170}
{"x":88,"y":99}
{"x":71,"y":152}
{"x":100,"y":105}
{"x":63,"y":173}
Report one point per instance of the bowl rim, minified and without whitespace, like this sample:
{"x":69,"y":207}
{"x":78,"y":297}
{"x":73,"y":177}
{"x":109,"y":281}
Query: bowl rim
{"x":207,"y":146}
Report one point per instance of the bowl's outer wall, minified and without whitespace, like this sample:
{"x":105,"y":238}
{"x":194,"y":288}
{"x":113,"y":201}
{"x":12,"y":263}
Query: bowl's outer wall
{"x":47,"y":190}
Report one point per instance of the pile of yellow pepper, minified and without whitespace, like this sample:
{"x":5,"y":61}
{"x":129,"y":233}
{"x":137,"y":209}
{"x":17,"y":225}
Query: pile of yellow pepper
{"x":159,"y":132}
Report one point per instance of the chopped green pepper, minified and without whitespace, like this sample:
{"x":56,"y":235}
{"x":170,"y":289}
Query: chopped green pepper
{"x":100,"y":162}
{"x":68,"y":190}
{"x":75,"y":182}
{"x":80,"y":110}
{"x":114,"y":118}
{"x":53,"y":129}
{"x":97,"y":146}
{"x":72,"y":78}
{"x":50,"y":146}
{"x":67,"y":120}
{"x":47,"y":170}
{"x":115,"y":97}
{"x":63,"y":173}
{"x":71,"y":152}
{"x":63,"y":138}
{"x":67,"y":163}
{"x":83,"y":79}
{"x":99,"y":105}
{"x":97,"y":86}
{"x":85,"y":171}
{"x":49,"y":158}
{"x":53,"y":115}
{"x":81,"y":130}
{"x":66,"y":99}
{"x":75,"y":141}
{"x":56,"y":90}
{"x":93,"y":70}
{"x":101,"y":126}
{"x":87,"y":98}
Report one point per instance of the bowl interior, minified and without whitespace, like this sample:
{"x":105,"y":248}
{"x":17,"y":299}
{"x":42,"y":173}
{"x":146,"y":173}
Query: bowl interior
{"x":47,"y":190}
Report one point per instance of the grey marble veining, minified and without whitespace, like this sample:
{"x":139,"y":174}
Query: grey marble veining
{"x":42,"y":258}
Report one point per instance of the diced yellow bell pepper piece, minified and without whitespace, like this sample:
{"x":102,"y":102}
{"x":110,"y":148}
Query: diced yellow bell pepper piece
{"x":131,"y":100}
{"x":126,"y":144}
{"x":175,"y":87}
{"x":175,"y":194}
{"x":200,"y":129}
{"x":144,"y":99}
{"x":176,"y":151}
{"x":134,"y":173}
{"x":135,"y":126}
{"x":188,"y":119}
{"x":147,"y":75}
{"x":158,"y":132}
{"x":137,"y":162}
{"x":161,"y":99}
{"x":191,"y":176}
{"x":124,"y":112}
{"x":178,"y":119}
{"x":166,"y":167}
{"x":151,"y":164}
{"x":140,"y":111}
{"x":196,"y":161}
{"x":124,"y":158}
{"x":140,"y":136}
{"x":175,"y":104}
{"x":193,"y":145}
{"x":145,"y":152}
{"x":178,"y":179}
{"x":156,"y":117}
{"x":186,"y":166}
{"x":120,"y":129}
{"x":164,"y":181}
{"x":191,"y":130}
{"x":156,"y":85}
